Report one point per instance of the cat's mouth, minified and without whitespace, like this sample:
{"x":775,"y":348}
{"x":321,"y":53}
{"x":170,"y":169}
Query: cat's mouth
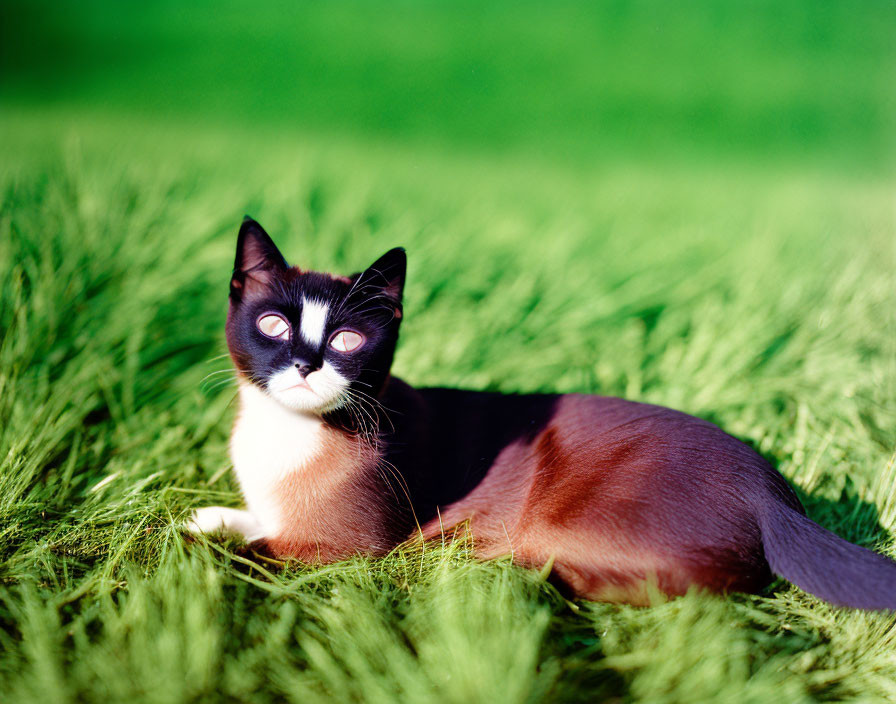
{"x":301,"y":385}
{"x":319,"y":392}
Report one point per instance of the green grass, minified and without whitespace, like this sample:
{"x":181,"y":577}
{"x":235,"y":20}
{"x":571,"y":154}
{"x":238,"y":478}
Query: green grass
{"x":734,"y":270}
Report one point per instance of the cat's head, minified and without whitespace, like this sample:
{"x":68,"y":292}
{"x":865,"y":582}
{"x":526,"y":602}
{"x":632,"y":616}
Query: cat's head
{"x":312,"y":341}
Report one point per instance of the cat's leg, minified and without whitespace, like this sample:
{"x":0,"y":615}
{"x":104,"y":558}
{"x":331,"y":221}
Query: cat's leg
{"x":215,"y":518}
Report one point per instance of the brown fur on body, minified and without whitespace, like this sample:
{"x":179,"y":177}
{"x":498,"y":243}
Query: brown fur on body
{"x":336,"y":506}
{"x":598,"y":486}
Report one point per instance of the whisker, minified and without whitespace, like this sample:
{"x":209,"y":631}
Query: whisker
{"x":220,"y":371}
{"x":217,"y":385}
{"x":373,"y":399}
{"x":357,"y":406}
{"x":369,"y":416}
{"x":402,"y":482}
{"x":361,"y":399}
{"x":214,"y":359}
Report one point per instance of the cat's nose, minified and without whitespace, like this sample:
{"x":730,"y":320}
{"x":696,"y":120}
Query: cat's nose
{"x":305,"y":368}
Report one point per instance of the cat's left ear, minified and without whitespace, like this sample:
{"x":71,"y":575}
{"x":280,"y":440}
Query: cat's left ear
{"x":257,"y":259}
{"x":385,"y":277}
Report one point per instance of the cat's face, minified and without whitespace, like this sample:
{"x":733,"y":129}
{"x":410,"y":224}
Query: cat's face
{"x":312,"y":341}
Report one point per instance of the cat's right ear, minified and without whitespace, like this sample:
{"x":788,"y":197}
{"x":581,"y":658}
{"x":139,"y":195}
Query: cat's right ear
{"x":257,"y":260}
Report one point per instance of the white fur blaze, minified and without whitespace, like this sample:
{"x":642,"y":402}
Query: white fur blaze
{"x":314,"y":321}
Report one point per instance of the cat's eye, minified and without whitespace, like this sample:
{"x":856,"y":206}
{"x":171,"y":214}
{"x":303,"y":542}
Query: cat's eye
{"x":274,"y":326}
{"x":346,"y":341}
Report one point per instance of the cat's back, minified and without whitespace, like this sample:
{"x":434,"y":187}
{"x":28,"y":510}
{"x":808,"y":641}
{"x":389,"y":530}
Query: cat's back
{"x":482,"y":424}
{"x":550,"y":457}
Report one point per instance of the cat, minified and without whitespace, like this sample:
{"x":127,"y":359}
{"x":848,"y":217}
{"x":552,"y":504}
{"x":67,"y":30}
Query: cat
{"x":614,"y":498}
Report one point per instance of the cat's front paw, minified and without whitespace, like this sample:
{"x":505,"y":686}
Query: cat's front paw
{"x":207,"y":520}
{"x":213,"y":519}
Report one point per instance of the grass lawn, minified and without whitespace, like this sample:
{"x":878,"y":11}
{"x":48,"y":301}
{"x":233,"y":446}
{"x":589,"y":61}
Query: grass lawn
{"x":690,"y":207}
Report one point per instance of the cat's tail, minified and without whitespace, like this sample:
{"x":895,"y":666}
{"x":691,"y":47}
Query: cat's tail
{"x":823,"y":564}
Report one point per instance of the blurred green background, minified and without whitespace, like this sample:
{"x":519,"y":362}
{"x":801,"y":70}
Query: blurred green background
{"x":581,"y":82}
{"x":690,"y":204}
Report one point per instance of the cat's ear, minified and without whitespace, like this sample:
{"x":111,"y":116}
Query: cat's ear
{"x":384,"y":278}
{"x":257,"y":259}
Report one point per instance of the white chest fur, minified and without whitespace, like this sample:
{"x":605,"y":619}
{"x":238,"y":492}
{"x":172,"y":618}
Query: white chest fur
{"x":268,"y":444}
